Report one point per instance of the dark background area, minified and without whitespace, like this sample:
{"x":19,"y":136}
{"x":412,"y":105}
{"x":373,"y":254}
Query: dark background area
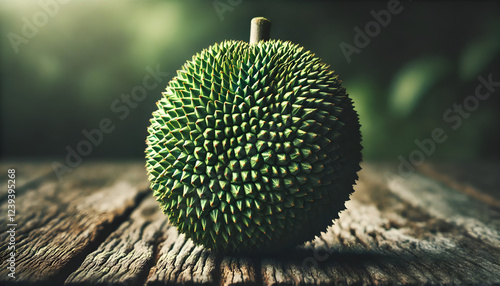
{"x":66,"y":76}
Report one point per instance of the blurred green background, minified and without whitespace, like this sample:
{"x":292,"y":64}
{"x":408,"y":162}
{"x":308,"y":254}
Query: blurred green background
{"x":66,"y":75}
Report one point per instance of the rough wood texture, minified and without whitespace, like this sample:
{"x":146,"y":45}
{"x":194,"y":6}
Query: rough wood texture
{"x":180,"y":262}
{"x":128,"y":253}
{"x":101,"y":226}
{"x":60,"y":222}
{"x":237,"y":271}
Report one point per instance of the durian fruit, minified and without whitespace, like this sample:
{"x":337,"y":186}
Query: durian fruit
{"x":253,"y":147}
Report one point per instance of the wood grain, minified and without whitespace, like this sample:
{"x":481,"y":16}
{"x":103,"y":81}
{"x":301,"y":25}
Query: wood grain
{"x":101,"y":226}
{"x":448,"y":204}
{"x":181,"y":262}
{"x":60,"y":222}
{"x":236,"y":270}
{"x":126,"y":256}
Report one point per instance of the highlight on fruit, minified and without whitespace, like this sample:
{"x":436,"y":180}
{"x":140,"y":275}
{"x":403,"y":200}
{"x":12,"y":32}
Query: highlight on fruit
{"x":253,"y":147}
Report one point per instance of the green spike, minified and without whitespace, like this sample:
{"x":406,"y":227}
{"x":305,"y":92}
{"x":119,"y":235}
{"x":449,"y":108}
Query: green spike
{"x":237,"y":191}
{"x":214,"y":214}
{"x":239,"y":204}
{"x":204,"y":224}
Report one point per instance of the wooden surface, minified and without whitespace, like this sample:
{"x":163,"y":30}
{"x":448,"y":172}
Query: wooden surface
{"x":101,"y":225}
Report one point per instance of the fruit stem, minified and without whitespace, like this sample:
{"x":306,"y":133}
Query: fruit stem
{"x":260,"y":30}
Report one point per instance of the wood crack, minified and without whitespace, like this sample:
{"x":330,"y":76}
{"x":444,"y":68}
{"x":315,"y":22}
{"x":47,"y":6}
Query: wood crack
{"x":77,"y":261}
{"x":99,"y":226}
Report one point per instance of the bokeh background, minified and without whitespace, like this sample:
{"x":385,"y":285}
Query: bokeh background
{"x":65,"y":77}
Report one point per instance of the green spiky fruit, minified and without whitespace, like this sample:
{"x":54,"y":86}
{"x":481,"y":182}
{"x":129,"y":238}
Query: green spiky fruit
{"x":253,"y":147}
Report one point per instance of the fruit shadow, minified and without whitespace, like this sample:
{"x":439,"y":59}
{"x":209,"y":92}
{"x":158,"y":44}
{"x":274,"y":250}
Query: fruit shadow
{"x":346,"y":258}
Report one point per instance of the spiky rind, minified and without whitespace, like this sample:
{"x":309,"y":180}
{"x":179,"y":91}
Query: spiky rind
{"x":253,"y":147}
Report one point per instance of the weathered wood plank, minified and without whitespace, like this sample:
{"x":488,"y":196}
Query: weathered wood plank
{"x":181,"y":262}
{"x":395,"y":231}
{"x":126,"y":256}
{"x":60,"y":222}
{"x":425,"y":220}
{"x":386,"y":239}
{"x":445,"y":203}
{"x":237,"y":270}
